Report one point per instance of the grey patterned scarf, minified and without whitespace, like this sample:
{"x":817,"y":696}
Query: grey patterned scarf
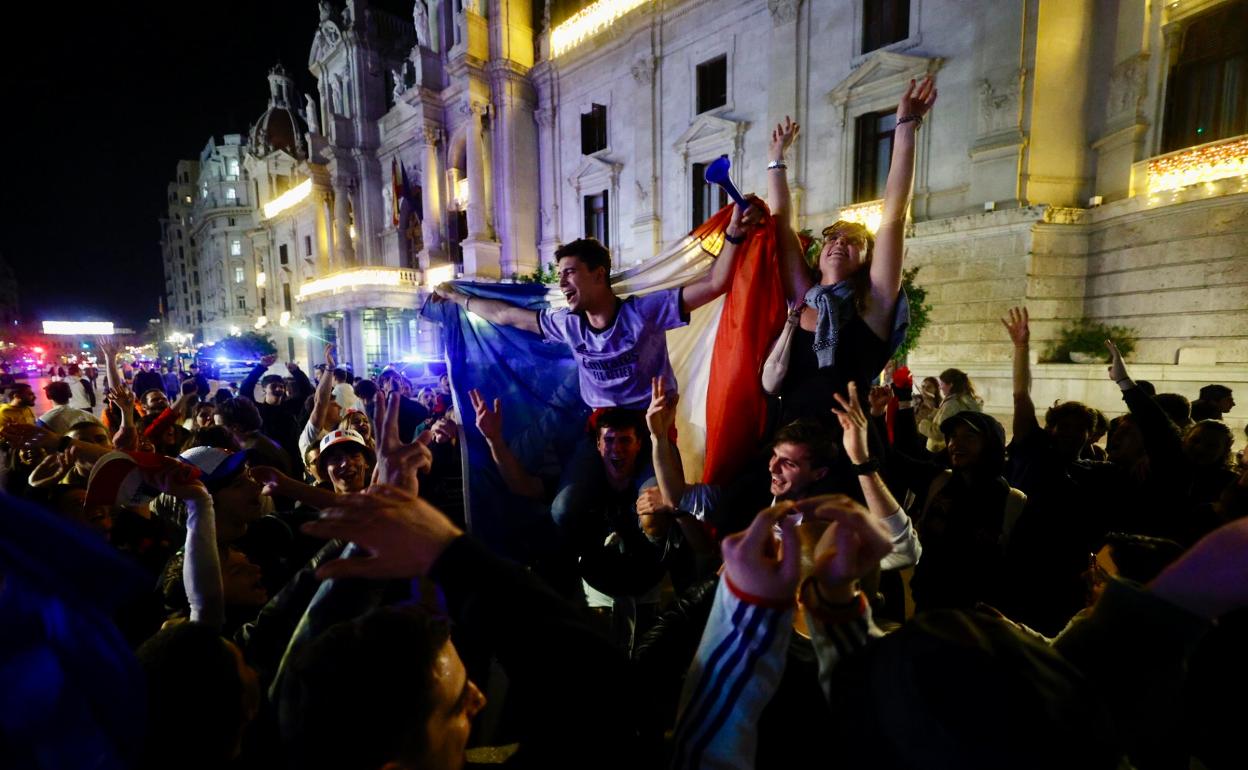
{"x":835,"y":305}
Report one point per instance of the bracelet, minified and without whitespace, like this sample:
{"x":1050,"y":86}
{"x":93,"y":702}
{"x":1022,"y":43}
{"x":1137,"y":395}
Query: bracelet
{"x":737,"y":241}
{"x":872,"y":465}
{"x":776,"y":164}
{"x":468,"y":304}
{"x":1124,"y":379}
{"x":916,"y":119}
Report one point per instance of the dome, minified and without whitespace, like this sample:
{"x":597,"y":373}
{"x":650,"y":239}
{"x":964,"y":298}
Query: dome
{"x":279,"y":127}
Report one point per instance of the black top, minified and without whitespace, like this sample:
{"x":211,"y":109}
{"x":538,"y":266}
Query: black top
{"x":807,"y":389}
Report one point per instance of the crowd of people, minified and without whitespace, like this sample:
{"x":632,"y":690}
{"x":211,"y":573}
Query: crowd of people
{"x":285,"y":575}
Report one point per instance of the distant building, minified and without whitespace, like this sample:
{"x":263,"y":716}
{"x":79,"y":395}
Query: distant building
{"x":1086,"y":158}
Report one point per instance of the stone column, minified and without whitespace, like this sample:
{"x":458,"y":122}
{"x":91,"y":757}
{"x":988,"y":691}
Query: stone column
{"x":516,"y":177}
{"x":478,"y":228}
{"x":402,"y":336}
{"x":345,"y":251}
{"x":647,"y":104}
{"x":431,"y":197}
{"x":548,"y":188}
{"x":784,"y":84}
{"x":328,"y":260}
{"x":314,"y":345}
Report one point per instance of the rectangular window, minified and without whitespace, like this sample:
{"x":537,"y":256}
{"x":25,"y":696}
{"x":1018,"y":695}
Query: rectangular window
{"x":307,"y":245}
{"x":231,"y":194}
{"x":873,"y":152}
{"x":707,"y":198}
{"x":231,"y":221}
{"x":884,"y":22}
{"x":290,"y":348}
{"x":200,"y":315}
{"x":195,"y":278}
{"x":236,"y":248}
{"x":181,"y":253}
{"x":594,"y":129}
{"x":1207,"y":93}
{"x":597,"y":218}
{"x":242,"y":303}
{"x":184,"y":287}
{"x":712,"y":84}
{"x":231,"y":168}
{"x":198,"y":299}
{"x":286,"y":296}
{"x":282,"y":254}
{"x":240,"y":275}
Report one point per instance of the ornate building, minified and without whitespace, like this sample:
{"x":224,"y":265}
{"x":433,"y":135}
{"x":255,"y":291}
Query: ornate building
{"x":1087,"y":158}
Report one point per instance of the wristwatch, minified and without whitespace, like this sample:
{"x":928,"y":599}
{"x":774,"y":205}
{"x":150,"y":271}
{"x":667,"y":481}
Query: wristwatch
{"x":872,"y":465}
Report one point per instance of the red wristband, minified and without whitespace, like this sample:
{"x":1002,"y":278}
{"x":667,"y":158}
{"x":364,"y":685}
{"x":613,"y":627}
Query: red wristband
{"x":758,"y":601}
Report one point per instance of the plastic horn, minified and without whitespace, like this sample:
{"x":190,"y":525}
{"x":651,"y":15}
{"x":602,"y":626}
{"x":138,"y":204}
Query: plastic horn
{"x":717,"y":173}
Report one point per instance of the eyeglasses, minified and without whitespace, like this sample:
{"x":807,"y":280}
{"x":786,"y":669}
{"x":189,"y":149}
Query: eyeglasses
{"x":855,"y":239}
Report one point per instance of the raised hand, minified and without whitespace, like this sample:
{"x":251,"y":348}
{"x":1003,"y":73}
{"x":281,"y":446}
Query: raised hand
{"x":853,"y":424}
{"x":292,"y":367}
{"x":50,"y":470}
{"x":917,"y":101}
{"x":661,"y":414}
{"x":403,"y":534}
{"x":654,"y":515}
{"x":330,"y":349}
{"x":122,"y":397}
{"x":107,"y":346}
{"x":878,"y":399}
{"x":850,"y":548}
{"x":269,"y":360}
{"x":490,"y":423}
{"x":398,"y":464}
{"x":1117,"y":369}
{"x":1017,"y":324}
{"x":758,"y":566}
{"x":782,"y":137}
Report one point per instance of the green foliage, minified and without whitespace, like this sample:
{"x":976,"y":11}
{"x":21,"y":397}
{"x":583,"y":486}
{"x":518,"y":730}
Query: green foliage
{"x":920,"y":313}
{"x":1088,"y":336}
{"x":248,"y":346}
{"x":813,"y":245}
{"x":547,"y":274}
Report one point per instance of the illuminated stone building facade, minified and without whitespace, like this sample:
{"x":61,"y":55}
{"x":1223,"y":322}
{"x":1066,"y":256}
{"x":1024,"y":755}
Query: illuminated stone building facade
{"x":1083,"y":159}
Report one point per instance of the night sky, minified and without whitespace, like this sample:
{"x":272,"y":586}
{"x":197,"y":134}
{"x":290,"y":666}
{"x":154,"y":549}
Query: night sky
{"x":101,"y":101}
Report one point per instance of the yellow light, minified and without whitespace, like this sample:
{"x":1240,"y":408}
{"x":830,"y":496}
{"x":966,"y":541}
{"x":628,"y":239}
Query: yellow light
{"x":288,"y":199}
{"x":261,"y":279}
{"x":461,"y":192}
{"x":588,"y":22}
{"x":439,"y":274}
{"x":866,"y":214}
{"x":350,"y":279}
{"x":234,"y":330}
{"x":284,"y":318}
{"x":351,"y":231}
{"x":1207,"y":163}
{"x":78,"y":327}
{"x":262,"y":322}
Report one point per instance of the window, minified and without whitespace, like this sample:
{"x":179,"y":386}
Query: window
{"x":185,"y":288}
{"x":596,"y":218}
{"x":1207,"y":94}
{"x":307,"y":245}
{"x":873,"y":151}
{"x":231,"y":221}
{"x":231,"y":194}
{"x":707,"y":198}
{"x":187,"y":199}
{"x":181,"y":252}
{"x":712,"y":84}
{"x":283,"y":254}
{"x":200,"y":315}
{"x":594,"y":129}
{"x":195,"y":278}
{"x":203,"y":190}
{"x":231,"y":168}
{"x":236,"y":248}
{"x":242,"y":302}
{"x":240,"y":274}
{"x":884,"y":22}
{"x":286,"y":296}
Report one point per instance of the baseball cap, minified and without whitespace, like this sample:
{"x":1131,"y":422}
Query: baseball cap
{"x":217,"y":467}
{"x":334,"y":438}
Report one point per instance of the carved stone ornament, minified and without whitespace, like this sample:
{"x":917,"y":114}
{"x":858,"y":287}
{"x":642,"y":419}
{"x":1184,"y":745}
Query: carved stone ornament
{"x":783,"y":11}
{"x":545,"y":117}
{"x":998,"y":105}
{"x":432,"y":133}
{"x":643,"y":70}
{"x":1127,"y":85}
{"x":1060,"y":215}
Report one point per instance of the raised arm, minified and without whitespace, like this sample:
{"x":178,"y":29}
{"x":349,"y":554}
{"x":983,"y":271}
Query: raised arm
{"x":248,"y":387}
{"x":794,"y":272}
{"x":493,"y":310}
{"x":1017,"y":324}
{"x":886,"y":262}
{"x":490,"y":422}
{"x":880,"y":501}
{"x":274,"y":483}
{"x":324,"y":392}
{"x":108,"y":348}
{"x":303,"y":386}
{"x":717,"y":280}
{"x":667,"y":467}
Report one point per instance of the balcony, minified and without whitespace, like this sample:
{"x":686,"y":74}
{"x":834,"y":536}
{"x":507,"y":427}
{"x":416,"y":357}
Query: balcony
{"x":1216,"y":168}
{"x":360,"y":287}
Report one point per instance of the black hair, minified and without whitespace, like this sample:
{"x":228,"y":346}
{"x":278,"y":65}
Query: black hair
{"x":270,"y":379}
{"x":240,"y":414}
{"x":340,"y":375}
{"x":588,"y":250}
{"x":1214,"y":392}
{"x":214,"y":436}
{"x":58,"y":391}
{"x":1071,"y":409}
{"x":1176,"y":407}
{"x":814,"y":436}
{"x":1139,"y":557}
{"x":1146,"y":386}
{"x":1203,"y":409}
{"x":360,"y":695}
{"x":621,"y":419}
{"x":194,"y":694}
{"x":365,"y":389}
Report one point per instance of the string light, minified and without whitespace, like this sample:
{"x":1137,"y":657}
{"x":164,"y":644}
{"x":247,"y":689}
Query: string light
{"x":1207,"y":163}
{"x":588,"y":22}
{"x":287,"y":199}
{"x":351,"y":279}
